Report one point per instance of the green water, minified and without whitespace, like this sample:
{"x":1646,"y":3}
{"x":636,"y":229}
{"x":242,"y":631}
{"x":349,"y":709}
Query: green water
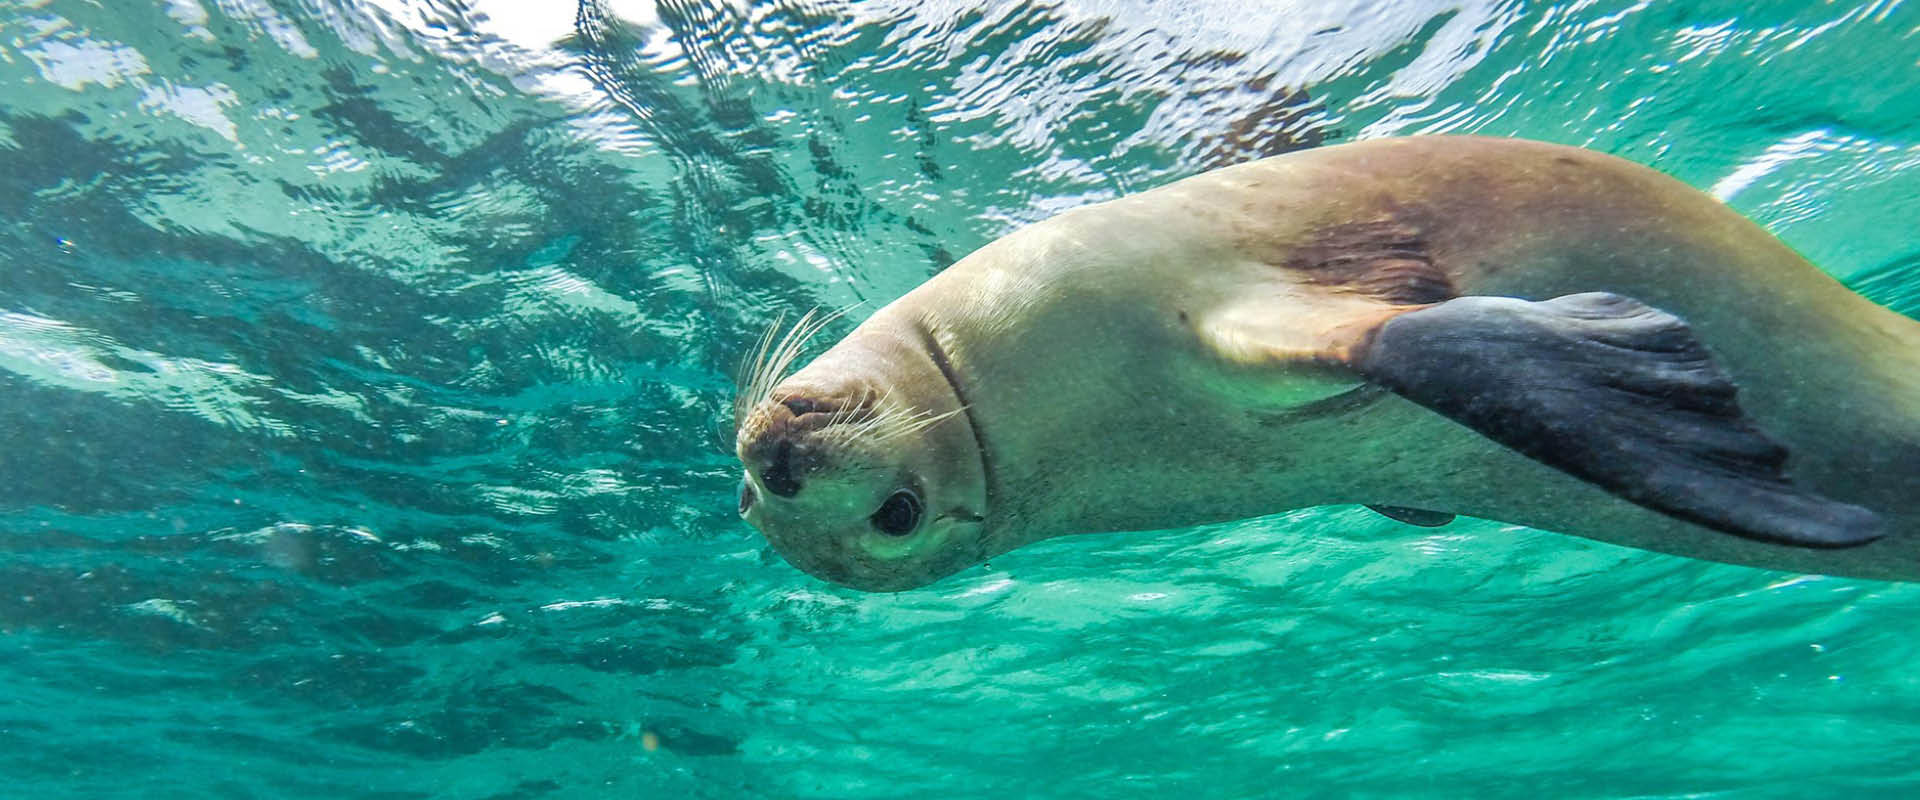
{"x":365,"y":367}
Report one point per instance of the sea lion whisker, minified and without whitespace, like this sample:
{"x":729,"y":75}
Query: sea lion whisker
{"x":879,"y":412}
{"x":748,"y":376}
{"x":856,"y":431}
{"x":794,"y":343}
{"x":890,"y":428}
{"x":883,"y":421}
{"x":768,"y":363}
{"x":889,"y":418}
{"x":773,"y":357}
{"x":907,"y":423}
{"x":913,"y":424}
{"x":784,"y":354}
{"x":869,"y":429}
{"x":774,"y":362}
{"x":935,"y":419}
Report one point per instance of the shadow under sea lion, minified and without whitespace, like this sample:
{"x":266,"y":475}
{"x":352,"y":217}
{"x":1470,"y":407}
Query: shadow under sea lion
{"x":1506,"y":329}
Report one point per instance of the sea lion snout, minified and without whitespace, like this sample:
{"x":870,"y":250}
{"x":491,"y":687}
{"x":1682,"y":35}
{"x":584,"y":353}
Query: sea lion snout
{"x":802,"y":405}
{"x":776,"y":468}
{"x":772,"y":454}
{"x":778,"y":449}
{"x":815,"y":409}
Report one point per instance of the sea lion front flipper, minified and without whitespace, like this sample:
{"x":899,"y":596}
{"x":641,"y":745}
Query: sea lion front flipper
{"x":1616,"y":393}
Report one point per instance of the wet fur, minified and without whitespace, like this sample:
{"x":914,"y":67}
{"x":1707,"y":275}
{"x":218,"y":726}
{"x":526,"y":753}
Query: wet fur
{"x":1163,"y":360}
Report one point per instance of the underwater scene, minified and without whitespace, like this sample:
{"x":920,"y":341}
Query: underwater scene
{"x":368,"y":380}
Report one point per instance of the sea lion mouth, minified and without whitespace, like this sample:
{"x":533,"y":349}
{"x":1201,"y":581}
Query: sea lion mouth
{"x":801,"y":406}
{"x":811,"y":413}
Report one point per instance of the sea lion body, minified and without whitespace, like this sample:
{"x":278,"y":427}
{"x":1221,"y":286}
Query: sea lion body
{"x":1185,"y":355}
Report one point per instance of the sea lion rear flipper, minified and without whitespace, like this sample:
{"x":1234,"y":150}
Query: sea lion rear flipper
{"x":1616,"y":393}
{"x":1413,"y":516}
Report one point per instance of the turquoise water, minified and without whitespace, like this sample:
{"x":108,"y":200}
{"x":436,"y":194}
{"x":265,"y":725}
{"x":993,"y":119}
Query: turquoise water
{"x":365,"y":368}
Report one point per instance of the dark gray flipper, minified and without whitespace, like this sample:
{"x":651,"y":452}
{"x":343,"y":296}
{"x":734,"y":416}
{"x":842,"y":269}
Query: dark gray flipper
{"x":1613,"y":392}
{"x":1413,"y":516}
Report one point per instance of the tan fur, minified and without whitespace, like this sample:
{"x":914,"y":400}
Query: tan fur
{"x":1167,"y":359}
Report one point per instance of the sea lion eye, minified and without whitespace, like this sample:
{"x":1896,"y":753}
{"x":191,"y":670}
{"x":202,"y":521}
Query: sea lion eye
{"x":899,"y":515}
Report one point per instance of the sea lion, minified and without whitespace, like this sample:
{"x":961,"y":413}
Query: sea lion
{"x":1499,"y":328}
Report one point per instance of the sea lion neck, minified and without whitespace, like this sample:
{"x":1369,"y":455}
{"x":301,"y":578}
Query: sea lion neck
{"x":928,"y":338}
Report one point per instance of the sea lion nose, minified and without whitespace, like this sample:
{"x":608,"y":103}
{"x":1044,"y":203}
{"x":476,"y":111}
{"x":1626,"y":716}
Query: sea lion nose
{"x":770,"y":453}
{"x":770,"y":458}
{"x":780,"y":452}
{"x":777,"y":471}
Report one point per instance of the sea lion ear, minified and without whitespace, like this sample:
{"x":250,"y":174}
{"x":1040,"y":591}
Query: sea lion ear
{"x":1614,"y":392}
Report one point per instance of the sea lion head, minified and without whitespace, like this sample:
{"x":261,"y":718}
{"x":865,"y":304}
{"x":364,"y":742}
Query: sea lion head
{"x":863,"y":468}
